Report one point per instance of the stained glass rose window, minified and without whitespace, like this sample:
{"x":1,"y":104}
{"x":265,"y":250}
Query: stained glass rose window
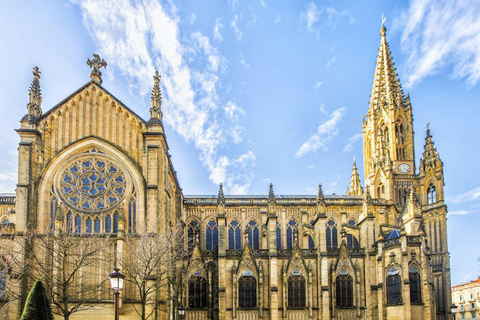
{"x":92,"y":184}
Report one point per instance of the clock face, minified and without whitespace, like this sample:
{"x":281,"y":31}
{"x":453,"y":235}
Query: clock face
{"x":404,"y":168}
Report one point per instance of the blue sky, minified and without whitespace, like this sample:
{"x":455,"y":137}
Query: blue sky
{"x":262,"y":91}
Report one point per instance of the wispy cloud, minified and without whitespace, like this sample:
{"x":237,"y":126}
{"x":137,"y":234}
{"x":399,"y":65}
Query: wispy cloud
{"x":243,"y":62}
{"x":193,"y":18}
{"x":317,"y":85}
{"x":351,"y":141}
{"x":469,"y":196}
{"x":316,"y":18}
{"x":324,"y":135}
{"x":138,"y":37}
{"x":278,"y":18}
{"x":331,"y":61}
{"x":437,"y":34}
{"x":216,"y":30}
{"x":263,"y":4}
{"x":236,"y":29}
{"x":459,"y":212}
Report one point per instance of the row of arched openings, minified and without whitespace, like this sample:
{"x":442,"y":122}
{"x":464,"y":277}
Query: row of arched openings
{"x":92,"y":224}
{"x":394,"y":286}
{"x":332,"y":236}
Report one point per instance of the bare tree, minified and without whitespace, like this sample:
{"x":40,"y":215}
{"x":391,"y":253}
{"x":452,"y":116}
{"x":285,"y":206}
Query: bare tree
{"x":69,"y":266}
{"x":149,"y":265}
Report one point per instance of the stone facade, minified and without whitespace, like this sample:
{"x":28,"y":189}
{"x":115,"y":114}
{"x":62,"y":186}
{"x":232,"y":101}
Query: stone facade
{"x":466,"y":297}
{"x":378,"y":253}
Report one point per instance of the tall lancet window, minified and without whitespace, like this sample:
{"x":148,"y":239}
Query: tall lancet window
{"x":193,"y":231}
{"x":332,"y":240}
{"x":394,"y":286}
{"x":344,"y":290}
{"x":399,"y":139}
{"x":69,"y":222}
{"x":296,"y":291}
{"x":291,"y":229}
{"x":115,"y":222}
{"x":234,"y":239}
{"x":431,"y":194}
{"x":108,"y":224}
{"x":253,"y":234}
{"x":211,"y":235}
{"x":132,"y":214}
{"x":415,"y":285}
{"x":279,"y":237}
{"x":53,"y":209}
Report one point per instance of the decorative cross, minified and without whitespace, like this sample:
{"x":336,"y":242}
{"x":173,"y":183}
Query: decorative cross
{"x":414,"y":254}
{"x":392,"y":256}
{"x":36,"y":72}
{"x":96,"y":63}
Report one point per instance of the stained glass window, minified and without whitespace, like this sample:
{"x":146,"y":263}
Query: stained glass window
{"x":197,"y":292}
{"x":311,"y":243}
{"x":234,"y":239}
{"x":253,"y":234}
{"x":332,"y":241}
{"x":352,"y":241}
{"x":296,"y":291}
{"x":394,"y":289}
{"x":291,"y":229}
{"x":115,"y":222}
{"x":344,"y":291}
{"x":78,"y":224}
{"x":108,"y":224}
{"x":211,"y":235}
{"x":247,"y":292}
{"x":69,"y":222}
{"x":279,"y":237}
{"x":415,"y":285}
{"x":96,"y":225}
{"x":53,"y":212}
{"x":193,"y":230}
{"x":89,"y":225}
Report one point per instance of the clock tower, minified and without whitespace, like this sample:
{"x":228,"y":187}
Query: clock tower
{"x":388,"y":149}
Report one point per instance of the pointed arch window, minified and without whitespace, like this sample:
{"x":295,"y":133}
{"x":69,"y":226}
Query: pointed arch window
{"x":352,"y":242}
{"x":88,"y":224}
{"x":53,"y":211}
{"x":211,"y":235}
{"x":311,"y":243}
{"x":344,"y":291}
{"x":234,"y":239}
{"x":197,"y":292}
{"x":69,"y":222}
{"x":296,"y":291}
{"x":291,"y":230}
{"x":115,"y":222}
{"x":279,"y":237}
{"x":96,"y":225}
{"x":78,"y":224}
{"x":431,"y":194}
{"x":415,"y":284}
{"x":193,"y":231}
{"x":332,"y":240}
{"x":253,"y":234}
{"x":247,"y":292}
{"x":132,"y":215}
{"x":108,"y":224}
{"x":399,"y":139}
{"x":394,"y":287}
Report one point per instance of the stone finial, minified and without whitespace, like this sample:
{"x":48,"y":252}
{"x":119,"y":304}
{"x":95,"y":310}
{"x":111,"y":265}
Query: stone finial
{"x":271,"y":194}
{"x":320,"y":196}
{"x":368,"y":197}
{"x":34,"y":106}
{"x":95,"y":64}
{"x":221,"y":196}
{"x":156,"y":109}
{"x":383,"y":30}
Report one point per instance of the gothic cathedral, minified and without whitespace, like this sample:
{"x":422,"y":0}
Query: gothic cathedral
{"x":378,"y":252}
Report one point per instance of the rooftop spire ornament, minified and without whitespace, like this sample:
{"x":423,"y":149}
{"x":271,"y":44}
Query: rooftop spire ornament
{"x":271,"y":194}
{"x":34,"y":106}
{"x":221,"y":196}
{"x":156,"y":109}
{"x":96,"y":63}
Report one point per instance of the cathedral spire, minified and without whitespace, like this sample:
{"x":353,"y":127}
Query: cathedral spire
{"x":156,"y":109}
{"x":34,"y":106}
{"x":430,"y":158}
{"x":355,"y":188}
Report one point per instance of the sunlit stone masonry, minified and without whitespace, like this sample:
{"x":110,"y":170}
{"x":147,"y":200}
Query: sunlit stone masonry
{"x":90,"y":167}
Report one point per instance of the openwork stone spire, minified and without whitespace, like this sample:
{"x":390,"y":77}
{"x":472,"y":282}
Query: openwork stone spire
{"x":156,"y":109}
{"x":355,"y":188}
{"x":431,"y":158}
{"x":387,"y":90}
{"x":320,"y":196}
{"x":221,"y":196}
{"x":95,"y":64}
{"x":271,"y":194}
{"x":34,"y":106}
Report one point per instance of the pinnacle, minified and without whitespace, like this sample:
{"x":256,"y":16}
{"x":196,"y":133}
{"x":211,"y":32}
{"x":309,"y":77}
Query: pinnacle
{"x":320,"y":196}
{"x":221,"y":196}
{"x":156,"y":108}
{"x":355,"y":185}
{"x":34,"y":106}
{"x":271,"y":194}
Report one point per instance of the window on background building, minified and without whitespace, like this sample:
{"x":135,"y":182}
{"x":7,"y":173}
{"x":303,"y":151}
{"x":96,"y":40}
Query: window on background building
{"x":332,"y":241}
{"x":234,"y":239}
{"x":279,"y":237}
{"x":253,"y":234}
{"x":296,"y":291}
{"x":352,"y":242}
{"x":193,"y":230}
{"x":344,"y":291}
{"x":197,"y":292}
{"x":291,"y":229}
{"x":431,"y":194}
{"x":211,"y":235}
{"x":394,"y":289}
{"x":247,"y":292}
{"x":415,"y":285}
{"x":311,"y":243}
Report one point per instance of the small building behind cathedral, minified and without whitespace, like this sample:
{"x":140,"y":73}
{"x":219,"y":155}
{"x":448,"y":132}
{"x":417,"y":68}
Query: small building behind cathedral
{"x":378,"y":252}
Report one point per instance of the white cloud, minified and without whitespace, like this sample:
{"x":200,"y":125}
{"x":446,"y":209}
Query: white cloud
{"x":325,"y":133}
{"x":331,"y":61}
{"x":193,"y":18}
{"x":236,"y":30}
{"x":138,"y":37}
{"x":437,"y":34}
{"x":278,"y":18}
{"x":351,"y":141}
{"x":459,"y":212}
{"x":243,"y":62}
{"x":469,"y":196}
{"x":263,"y":4}
{"x":317,"y":85}
{"x":312,"y":166}
{"x":216,"y":30}
{"x":317,"y":18}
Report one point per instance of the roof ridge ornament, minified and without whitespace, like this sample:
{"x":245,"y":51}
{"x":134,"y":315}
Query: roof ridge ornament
{"x":95,"y":64}
{"x":34,"y":106}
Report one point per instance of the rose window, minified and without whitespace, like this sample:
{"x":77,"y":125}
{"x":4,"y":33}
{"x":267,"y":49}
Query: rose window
{"x":92,"y":185}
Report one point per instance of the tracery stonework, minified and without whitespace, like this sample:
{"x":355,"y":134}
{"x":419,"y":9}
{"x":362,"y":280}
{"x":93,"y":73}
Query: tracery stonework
{"x":378,"y":252}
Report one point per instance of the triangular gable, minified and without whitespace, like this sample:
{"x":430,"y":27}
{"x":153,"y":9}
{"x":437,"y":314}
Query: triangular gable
{"x":196,"y":265}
